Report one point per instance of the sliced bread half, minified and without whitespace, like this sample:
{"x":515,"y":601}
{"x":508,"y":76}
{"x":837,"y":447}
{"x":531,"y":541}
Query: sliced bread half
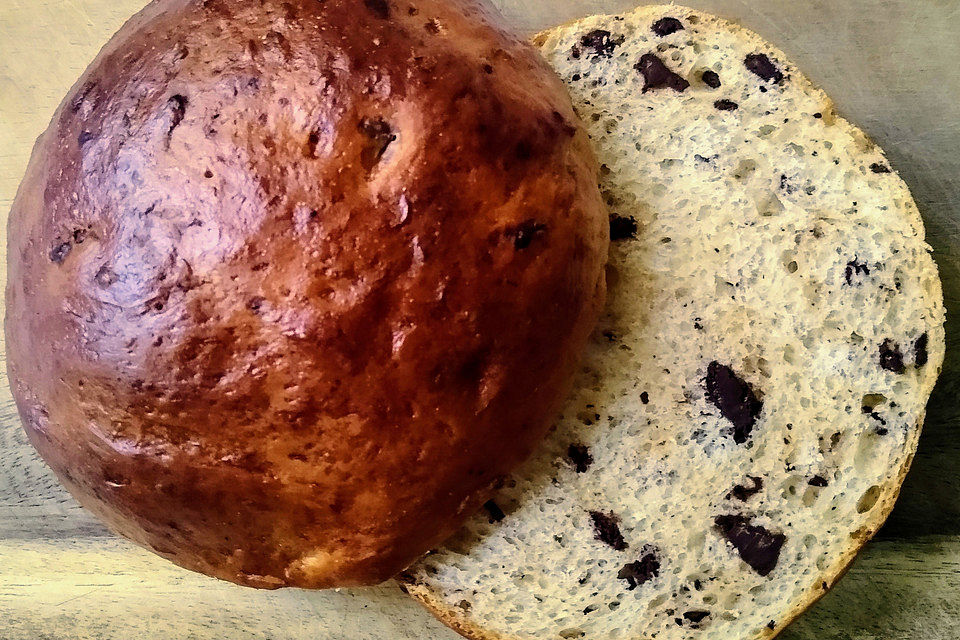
{"x":752,"y":399}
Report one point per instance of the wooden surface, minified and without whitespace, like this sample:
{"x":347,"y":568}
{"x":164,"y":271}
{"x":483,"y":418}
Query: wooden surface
{"x":892,"y":66}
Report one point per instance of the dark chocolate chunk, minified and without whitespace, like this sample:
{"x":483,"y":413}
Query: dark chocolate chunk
{"x":607,"y":530}
{"x":380,"y":136}
{"x":494,"y":511}
{"x":818,"y":115}
{"x":380,"y":8}
{"x":890,"y":357}
{"x":644,"y":397}
{"x":656,"y":75}
{"x":760,"y":64}
{"x":565,"y":126}
{"x":726,"y":105}
{"x":772,"y":624}
{"x":579,"y":455}
{"x":785,"y":184}
{"x":601,"y":42}
{"x":757,"y":546}
{"x":622,"y":227}
{"x":711,"y":79}
{"x":735,"y":398}
{"x":178,"y":109}
{"x":876,"y":167}
{"x":696,"y":616}
{"x":666,"y":26}
{"x":855,"y":268}
{"x":743,"y":492}
{"x":525,"y":232}
{"x":641,"y":571}
{"x":313,"y":140}
{"x":60,"y":252}
{"x":920,"y":350}
{"x":817,"y":481}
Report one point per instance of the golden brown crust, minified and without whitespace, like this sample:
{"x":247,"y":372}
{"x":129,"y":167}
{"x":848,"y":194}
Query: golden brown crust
{"x":293,"y":284}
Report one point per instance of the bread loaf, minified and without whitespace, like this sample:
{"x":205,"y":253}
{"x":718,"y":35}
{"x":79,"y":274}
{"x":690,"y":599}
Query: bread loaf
{"x":753,"y":396}
{"x":293,"y":284}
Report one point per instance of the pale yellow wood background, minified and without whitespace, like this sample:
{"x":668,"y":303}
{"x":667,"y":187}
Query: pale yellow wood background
{"x":893,"y":66}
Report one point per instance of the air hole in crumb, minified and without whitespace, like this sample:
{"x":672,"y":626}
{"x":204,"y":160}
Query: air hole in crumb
{"x":869,"y":499}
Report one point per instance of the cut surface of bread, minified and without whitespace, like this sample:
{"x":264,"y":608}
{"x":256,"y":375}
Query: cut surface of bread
{"x":751,"y":401}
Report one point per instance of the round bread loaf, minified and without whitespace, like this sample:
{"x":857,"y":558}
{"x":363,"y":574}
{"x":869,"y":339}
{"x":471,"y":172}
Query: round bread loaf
{"x":293,"y":284}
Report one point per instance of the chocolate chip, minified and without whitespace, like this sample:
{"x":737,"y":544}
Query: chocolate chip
{"x":817,"y":115}
{"x":696,"y":616}
{"x":565,"y":126}
{"x":601,"y":42}
{"x":920,"y":350}
{"x":380,"y":8}
{"x":379,"y":137}
{"x":757,"y":546}
{"x":525,"y":232}
{"x":645,"y":397}
{"x":760,"y":64}
{"x":495,"y":512}
{"x":579,"y":455}
{"x":876,"y":167}
{"x":726,"y":105}
{"x":890,"y":357}
{"x":666,"y":26}
{"x":656,"y":75}
{"x":313,"y":141}
{"x":84,"y":138}
{"x":622,"y":227}
{"x":178,"y":109}
{"x":735,"y":398}
{"x":711,"y":79}
{"x":855,"y":268}
{"x":60,"y":252}
{"x":817,"y":481}
{"x":606,"y":530}
{"x":772,"y":624}
{"x":641,"y":571}
{"x":743,"y":492}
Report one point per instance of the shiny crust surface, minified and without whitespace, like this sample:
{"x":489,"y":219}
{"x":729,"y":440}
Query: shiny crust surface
{"x":292,"y":285}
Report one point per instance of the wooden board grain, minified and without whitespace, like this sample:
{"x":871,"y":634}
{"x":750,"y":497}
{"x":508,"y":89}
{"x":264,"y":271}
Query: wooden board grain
{"x":892,"y":67}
